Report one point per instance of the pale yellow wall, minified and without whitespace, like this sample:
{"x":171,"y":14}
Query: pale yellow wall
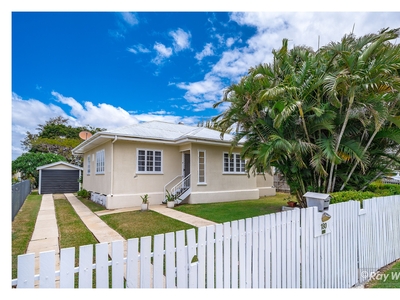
{"x":61,"y":167}
{"x":99,"y":183}
{"x":215,"y":179}
{"x":265,"y":180}
{"x":126,"y":178}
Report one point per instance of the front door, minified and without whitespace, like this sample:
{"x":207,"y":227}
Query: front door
{"x":186,"y":168}
{"x":186,"y":164}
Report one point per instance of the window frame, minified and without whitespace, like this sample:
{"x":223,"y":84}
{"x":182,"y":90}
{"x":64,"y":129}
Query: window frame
{"x":88,"y":165}
{"x":146,"y":165}
{"x":204,"y":167}
{"x":100,"y":162}
{"x":233,"y":160}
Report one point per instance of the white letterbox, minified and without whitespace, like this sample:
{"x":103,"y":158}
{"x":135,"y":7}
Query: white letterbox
{"x":319,"y":200}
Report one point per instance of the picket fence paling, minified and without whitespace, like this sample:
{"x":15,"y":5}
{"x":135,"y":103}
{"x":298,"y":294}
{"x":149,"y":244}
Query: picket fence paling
{"x":277,"y":250}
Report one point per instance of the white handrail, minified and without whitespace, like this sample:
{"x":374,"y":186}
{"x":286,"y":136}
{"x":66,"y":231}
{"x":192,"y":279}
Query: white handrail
{"x":165,"y":186}
{"x":184,"y":183}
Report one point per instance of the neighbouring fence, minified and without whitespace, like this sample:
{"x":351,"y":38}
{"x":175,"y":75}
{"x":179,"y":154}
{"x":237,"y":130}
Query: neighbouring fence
{"x":391,"y":181}
{"x":280,"y":184}
{"x":289,"y":249}
{"x":19,"y":192}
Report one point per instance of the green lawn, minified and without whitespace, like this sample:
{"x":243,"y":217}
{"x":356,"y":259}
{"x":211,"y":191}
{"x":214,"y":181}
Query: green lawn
{"x":388,"y":278}
{"x":237,"y":210}
{"x":138,"y":223}
{"x":22,"y":228}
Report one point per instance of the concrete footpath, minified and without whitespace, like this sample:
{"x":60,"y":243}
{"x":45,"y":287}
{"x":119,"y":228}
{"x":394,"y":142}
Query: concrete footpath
{"x":45,"y":235}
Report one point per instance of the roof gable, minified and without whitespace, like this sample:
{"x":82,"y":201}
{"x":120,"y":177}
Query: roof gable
{"x":59,"y":163}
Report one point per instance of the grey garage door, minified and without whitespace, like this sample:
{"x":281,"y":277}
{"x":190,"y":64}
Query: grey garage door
{"x":59,"y":181}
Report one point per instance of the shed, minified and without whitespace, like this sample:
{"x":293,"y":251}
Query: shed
{"x":58,"y":178}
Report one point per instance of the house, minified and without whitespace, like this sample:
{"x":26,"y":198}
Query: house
{"x":58,"y":178}
{"x":151,"y":158}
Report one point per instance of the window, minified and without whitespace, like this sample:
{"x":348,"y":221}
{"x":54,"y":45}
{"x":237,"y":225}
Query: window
{"x":149,"y":161}
{"x":100,"y":157}
{"x":88,"y":165}
{"x":202,"y":167}
{"x":233,"y":163}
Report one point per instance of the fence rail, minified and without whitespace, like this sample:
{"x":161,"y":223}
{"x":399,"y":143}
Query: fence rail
{"x":290,"y":249}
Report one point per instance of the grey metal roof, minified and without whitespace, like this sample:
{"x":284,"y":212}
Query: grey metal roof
{"x":156,"y":131}
{"x":168,"y":131}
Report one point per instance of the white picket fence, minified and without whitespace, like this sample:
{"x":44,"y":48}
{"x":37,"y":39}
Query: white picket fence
{"x":282,"y":250}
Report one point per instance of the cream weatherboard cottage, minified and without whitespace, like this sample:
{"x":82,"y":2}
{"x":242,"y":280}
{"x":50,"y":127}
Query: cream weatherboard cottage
{"x":154,"y":158}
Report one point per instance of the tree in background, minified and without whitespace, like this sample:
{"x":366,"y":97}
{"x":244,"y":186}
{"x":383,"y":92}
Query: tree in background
{"x":27,"y":163}
{"x":328,"y":120}
{"x":57,"y":137}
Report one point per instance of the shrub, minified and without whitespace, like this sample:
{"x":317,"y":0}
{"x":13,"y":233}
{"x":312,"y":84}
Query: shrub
{"x":83,"y":193}
{"x":384,"y":189}
{"x":344,"y":196}
{"x":376,"y":189}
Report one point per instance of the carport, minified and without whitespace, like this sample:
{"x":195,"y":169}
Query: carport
{"x":58,"y":178}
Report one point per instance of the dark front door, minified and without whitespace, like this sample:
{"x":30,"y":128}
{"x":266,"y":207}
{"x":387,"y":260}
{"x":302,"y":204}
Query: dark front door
{"x":186,"y":164}
{"x":186,"y":169}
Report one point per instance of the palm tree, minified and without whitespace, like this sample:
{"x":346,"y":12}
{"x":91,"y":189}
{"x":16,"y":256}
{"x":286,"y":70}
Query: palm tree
{"x":320,"y":117}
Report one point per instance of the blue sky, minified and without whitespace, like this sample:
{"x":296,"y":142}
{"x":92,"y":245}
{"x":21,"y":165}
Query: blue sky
{"x":112,"y":68}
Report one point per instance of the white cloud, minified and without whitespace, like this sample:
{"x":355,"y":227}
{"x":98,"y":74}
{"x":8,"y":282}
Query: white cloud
{"x":130,"y":18}
{"x":208,"y":90}
{"x":207,"y":51}
{"x":162,"y":53}
{"x":181,"y":39}
{"x":28,"y":114}
{"x":101,"y":115}
{"x":139,"y":48}
{"x":230,"y":41}
{"x":304,"y":28}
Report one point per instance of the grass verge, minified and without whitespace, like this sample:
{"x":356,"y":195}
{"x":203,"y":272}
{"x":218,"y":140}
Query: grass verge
{"x":236,"y":210}
{"x":72,"y":231}
{"x":23,"y":227}
{"x":387,"y":278}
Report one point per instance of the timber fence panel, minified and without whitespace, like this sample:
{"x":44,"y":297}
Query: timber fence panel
{"x":210,"y":256}
{"x":201,"y":254}
{"x":145,"y":262}
{"x":170,"y":258}
{"x":242,"y":254}
{"x":235,"y":254}
{"x":85,"y":266}
{"x":26,"y":271}
{"x":47,"y":269}
{"x":192,"y":258}
{"x":102,"y":278}
{"x":67,"y":266}
{"x":278,"y":269}
{"x":254,"y":253}
{"x":181,"y":260}
{"x":267,"y":259}
{"x":219,"y":256}
{"x":117,"y":250}
{"x":284,"y":256}
{"x":274,"y":263}
{"x":227,"y":254}
{"x":158,"y":261}
{"x":248,"y":252}
{"x":132,"y":263}
{"x":261,"y":252}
